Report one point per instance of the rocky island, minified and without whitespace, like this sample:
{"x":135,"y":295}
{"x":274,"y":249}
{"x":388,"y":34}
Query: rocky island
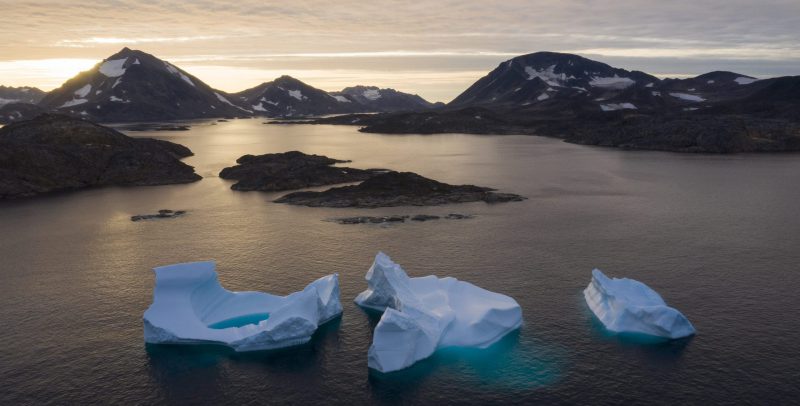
{"x":392,"y":189}
{"x":54,"y":153}
{"x":290,"y":170}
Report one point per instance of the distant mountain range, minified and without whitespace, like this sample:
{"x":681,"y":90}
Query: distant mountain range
{"x":544,"y":93}
{"x":132,"y":86}
{"x":20,"y":95}
{"x":589,"y":102}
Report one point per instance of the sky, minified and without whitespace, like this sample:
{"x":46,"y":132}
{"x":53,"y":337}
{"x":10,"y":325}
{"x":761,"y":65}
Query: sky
{"x":433,"y":48}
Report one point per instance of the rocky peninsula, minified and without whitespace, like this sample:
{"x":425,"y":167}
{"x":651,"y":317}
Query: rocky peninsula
{"x":52,"y":153}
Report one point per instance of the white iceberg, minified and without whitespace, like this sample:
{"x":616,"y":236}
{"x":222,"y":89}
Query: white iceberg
{"x":191,"y":307}
{"x":629,"y":306}
{"x":426,"y":313}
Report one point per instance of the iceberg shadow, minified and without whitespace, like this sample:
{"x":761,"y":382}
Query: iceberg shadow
{"x":510,"y":364}
{"x":660,"y":349}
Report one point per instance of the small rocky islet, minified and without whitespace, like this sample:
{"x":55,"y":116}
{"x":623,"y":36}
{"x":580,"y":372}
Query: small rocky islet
{"x":397,"y":218}
{"x":162,"y":214}
{"x":55,"y":153}
{"x":391,"y":189}
{"x":290,"y":171}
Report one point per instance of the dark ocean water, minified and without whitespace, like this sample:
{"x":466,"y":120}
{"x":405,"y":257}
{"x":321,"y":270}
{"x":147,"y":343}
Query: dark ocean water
{"x":717,"y":236}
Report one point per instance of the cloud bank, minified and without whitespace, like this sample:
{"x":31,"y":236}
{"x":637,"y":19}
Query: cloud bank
{"x":434,"y":48}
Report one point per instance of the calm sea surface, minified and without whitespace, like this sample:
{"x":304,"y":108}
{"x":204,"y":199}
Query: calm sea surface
{"x":717,"y":236}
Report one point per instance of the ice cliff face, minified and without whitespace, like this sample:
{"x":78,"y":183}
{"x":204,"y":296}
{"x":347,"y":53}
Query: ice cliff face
{"x":426,"y":313}
{"x":629,"y":306}
{"x":191,"y":307}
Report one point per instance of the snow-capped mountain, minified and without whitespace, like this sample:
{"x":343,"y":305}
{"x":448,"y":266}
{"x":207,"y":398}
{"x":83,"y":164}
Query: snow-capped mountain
{"x":567,"y":84}
{"x":542,"y":76}
{"x":374,"y":99}
{"x":135,"y":86}
{"x":289,"y":97}
{"x":23,"y":94}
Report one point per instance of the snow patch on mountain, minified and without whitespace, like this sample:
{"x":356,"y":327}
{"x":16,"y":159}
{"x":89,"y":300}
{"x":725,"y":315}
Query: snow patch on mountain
{"x":173,"y":70}
{"x":372,"y":94}
{"x":297,"y":94}
{"x":73,"y":102}
{"x":82,"y":92}
{"x":612,"y":82}
{"x":617,"y":106}
{"x":548,"y":75}
{"x":543,"y":96}
{"x":113,"y":68}
{"x":341,"y":99}
{"x":223,"y":99}
{"x":687,"y":97}
{"x":745,"y":81}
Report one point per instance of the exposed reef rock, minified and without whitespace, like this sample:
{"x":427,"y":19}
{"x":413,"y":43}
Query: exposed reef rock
{"x":290,"y":170}
{"x":397,"y":218}
{"x":397,"y":189}
{"x":57,"y":153}
{"x":162,"y":214}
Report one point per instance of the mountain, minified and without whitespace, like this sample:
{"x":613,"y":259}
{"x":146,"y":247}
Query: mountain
{"x":24,"y":94}
{"x":289,"y":97}
{"x":135,"y":86}
{"x":374,"y":99}
{"x":589,"y":102}
{"x":540,"y":77}
{"x":52,"y":153}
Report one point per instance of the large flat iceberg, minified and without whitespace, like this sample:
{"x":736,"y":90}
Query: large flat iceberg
{"x":629,"y":306}
{"x":191,"y":307}
{"x":426,"y":313}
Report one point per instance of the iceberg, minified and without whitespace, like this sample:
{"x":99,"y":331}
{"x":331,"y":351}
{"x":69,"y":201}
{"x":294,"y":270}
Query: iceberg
{"x":629,"y":306}
{"x":426,"y":313}
{"x":191,"y":307}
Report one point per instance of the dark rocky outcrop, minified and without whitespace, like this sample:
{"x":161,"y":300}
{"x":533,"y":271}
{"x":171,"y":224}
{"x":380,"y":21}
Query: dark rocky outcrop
{"x":397,"y":189}
{"x":57,"y":153}
{"x":290,"y":170}
{"x":397,"y":218}
{"x":162,"y":214}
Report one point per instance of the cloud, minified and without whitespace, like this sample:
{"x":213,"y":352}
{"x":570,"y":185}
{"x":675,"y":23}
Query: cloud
{"x":86,"y":42}
{"x":382,"y":35}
